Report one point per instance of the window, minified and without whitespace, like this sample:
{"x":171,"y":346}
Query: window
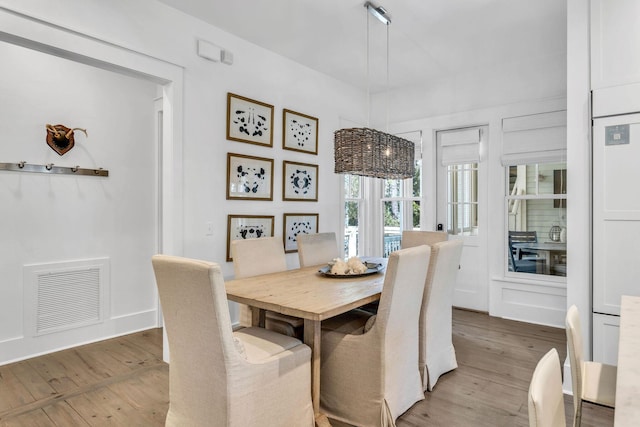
{"x":462,"y":199}
{"x":352,"y":213}
{"x":400,"y":208}
{"x":536,"y":210}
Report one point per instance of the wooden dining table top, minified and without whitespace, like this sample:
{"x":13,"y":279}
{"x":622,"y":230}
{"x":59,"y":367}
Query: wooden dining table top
{"x":305,"y":292}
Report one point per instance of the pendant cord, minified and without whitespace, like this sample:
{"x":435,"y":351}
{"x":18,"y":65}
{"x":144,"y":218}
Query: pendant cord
{"x":387,"y":91}
{"x":368,"y":78}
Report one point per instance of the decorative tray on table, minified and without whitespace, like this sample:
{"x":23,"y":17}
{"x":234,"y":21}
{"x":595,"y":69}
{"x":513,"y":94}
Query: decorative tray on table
{"x":371,"y":268}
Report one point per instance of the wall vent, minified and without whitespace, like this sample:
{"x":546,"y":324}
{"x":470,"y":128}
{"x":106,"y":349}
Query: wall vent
{"x":62,"y":296}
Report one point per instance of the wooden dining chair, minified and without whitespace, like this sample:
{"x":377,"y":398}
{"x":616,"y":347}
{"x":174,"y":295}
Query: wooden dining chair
{"x":368,"y":362}
{"x":316,"y":249}
{"x":265,"y":255}
{"x":221,"y":378}
{"x":592,"y":381}
{"x":546,"y":401}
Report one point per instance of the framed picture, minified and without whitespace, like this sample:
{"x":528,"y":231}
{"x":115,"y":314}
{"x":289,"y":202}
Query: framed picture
{"x":295,"y":224}
{"x":249,"y":120}
{"x":247,"y":227}
{"x":299,"y":181}
{"x":249,"y":178}
{"x":299,"y":132}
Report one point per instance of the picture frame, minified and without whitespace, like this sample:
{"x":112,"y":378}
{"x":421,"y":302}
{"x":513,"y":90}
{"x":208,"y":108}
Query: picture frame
{"x":249,"y":177}
{"x":295,"y":224}
{"x":249,"y":120}
{"x":299,"y":181}
{"x":299,"y":132}
{"x":247,"y":227}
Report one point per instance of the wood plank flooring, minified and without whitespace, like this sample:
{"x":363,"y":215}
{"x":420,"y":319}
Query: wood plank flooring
{"x":123,"y":381}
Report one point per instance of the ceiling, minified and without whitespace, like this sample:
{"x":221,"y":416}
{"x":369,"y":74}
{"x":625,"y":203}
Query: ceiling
{"x":429,"y":40}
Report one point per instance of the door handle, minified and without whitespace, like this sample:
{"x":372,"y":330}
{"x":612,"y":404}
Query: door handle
{"x":440,"y":227}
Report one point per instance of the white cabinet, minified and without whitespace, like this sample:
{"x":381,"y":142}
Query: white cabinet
{"x":616,"y":211}
{"x":615,"y":43}
{"x":606,"y":329}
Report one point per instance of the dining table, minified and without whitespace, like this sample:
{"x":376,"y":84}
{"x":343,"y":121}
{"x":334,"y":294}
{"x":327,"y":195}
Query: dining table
{"x":627,"y":411}
{"x":312,"y":295}
{"x":549,"y":251}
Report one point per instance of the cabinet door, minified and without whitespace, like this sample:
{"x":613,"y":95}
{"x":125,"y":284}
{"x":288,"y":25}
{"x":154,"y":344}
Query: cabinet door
{"x":606,"y":331}
{"x":615,"y":43}
{"x":616,"y":211}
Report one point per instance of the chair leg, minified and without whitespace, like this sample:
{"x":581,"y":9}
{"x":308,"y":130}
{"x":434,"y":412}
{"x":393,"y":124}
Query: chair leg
{"x":577,"y":414}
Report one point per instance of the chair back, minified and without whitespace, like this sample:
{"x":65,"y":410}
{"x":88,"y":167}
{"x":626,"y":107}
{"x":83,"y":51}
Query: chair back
{"x":523,"y":236}
{"x":546,"y":402}
{"x":400,"y":300}
{"x":198,"y":327}
{"x":316,"y":249}
{"x":411,"y":238}
{"x":252,"y":257}
{"x":437,"y":354}
{"x":576,"y":355}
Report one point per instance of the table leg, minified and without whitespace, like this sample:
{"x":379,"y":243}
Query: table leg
{"x":258,"y":317}
{"x":312,"y":338}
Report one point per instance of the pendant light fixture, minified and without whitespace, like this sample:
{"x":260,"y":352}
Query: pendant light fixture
{"x":370,"y":152}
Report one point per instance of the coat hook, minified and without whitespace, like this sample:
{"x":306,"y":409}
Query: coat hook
{"x":74,"y":170}
{"x":21,"y":164}
{"x":49,"y":166}
{"x":97,"y":171}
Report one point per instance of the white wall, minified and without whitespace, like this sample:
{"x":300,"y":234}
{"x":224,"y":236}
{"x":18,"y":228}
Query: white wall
{"x":540,"y":301}
{"x":53,"y":218}
{"x":154,"y":30}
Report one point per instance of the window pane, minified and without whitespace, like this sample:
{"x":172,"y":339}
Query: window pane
{"x":462,"y":203}
{"x":351,"y":186}
{"x":417,"y":181}
{"x":536,"y":241}
{"x":416,"y":215}
{"x":392,"y":226}
{"x":351,"y":229}
{"x":392,"y":188}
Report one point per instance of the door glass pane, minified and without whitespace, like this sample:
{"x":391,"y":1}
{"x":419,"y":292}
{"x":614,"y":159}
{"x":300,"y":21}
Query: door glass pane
{"x":416,"y":214}
{"x":462,"y":199}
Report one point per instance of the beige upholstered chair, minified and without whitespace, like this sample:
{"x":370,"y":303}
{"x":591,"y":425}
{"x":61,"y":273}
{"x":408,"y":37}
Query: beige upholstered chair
{"x":265,"y":255}
{"x":591,"y":381}
{"x":411,"y":238}
{"x":217,"y":377}
{"x":437,"y":354}
{"x":316,"y":249}
{"x":368,"y":371}
{"x":546,"y":402}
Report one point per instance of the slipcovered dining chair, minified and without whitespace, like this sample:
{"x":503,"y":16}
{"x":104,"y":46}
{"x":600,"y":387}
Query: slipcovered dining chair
{"x":316,"y":249}
{"x":218,"y":377}
{"x":265,"y":255}
{"x":591,"y":381}
{"x":437,"y":354}
{"x":546,"y":402}
{"x":368,"y":372}
{"x":411,"y":238}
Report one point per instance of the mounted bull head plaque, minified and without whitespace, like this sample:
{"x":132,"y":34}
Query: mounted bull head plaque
{"x":60,"y":138}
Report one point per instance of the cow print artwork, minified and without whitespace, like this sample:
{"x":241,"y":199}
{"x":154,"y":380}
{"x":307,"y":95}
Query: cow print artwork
{"x":301,"y":181}
{"x":300,"y":132}
{"x":249,"y":122}
{"x":250,"y":179}
{"x":298,"y":227}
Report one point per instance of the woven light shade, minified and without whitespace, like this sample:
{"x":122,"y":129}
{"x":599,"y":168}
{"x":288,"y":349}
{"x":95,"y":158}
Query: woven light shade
{"x":369,"y":152}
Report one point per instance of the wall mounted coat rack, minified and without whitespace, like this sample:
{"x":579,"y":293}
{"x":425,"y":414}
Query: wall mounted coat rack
{"x":51,"y":168}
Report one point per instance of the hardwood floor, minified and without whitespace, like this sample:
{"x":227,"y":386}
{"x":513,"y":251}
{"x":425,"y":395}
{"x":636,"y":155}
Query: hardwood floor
{"x":123,"y":381}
